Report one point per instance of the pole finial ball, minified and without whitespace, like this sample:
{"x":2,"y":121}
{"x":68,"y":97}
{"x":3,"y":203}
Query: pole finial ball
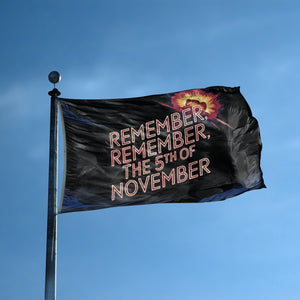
{"x":54,"y":77}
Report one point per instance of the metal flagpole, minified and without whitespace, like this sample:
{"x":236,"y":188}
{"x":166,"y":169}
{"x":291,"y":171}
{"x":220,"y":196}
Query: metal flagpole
{"x":50,"y":279}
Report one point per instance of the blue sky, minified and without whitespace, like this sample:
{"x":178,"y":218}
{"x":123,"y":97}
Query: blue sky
{"x":244,"y":248}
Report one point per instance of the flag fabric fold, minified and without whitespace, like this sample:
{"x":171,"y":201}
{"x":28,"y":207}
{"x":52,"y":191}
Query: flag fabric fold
{"x":197,"y":145}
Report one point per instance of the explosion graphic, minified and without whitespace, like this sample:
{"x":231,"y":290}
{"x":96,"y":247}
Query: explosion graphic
{"x":208,"y":103}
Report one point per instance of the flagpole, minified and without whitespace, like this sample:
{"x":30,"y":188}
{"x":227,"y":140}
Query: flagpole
{"x":50,"y":278}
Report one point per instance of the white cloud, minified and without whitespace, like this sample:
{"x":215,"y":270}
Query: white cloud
{"x":25,"y":107}
{"x":24,"y":102}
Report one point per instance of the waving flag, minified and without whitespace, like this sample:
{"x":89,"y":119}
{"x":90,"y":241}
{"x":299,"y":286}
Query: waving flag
{"x":197,"y":145}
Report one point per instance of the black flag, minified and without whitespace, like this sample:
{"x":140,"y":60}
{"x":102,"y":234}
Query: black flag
{"x":197,"y":145}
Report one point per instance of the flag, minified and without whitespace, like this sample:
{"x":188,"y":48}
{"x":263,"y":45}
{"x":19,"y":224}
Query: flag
{"x":197,"y":145}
